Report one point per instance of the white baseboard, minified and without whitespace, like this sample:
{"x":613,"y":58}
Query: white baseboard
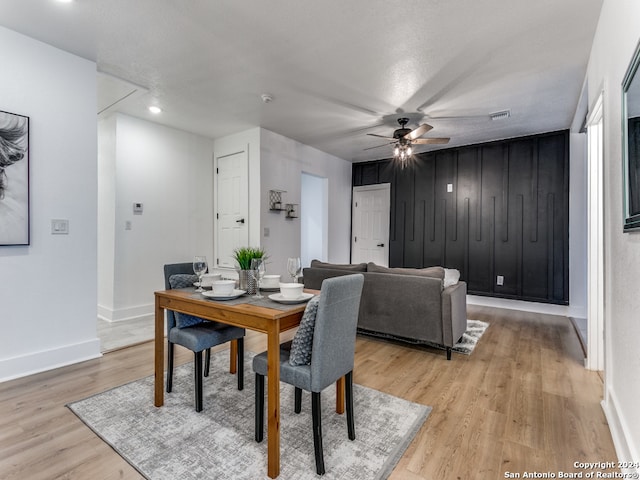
{"x":124,"y":314}
{"x":622,"y":441}
{"x":42,"y":361}
{"x":505,"y":303}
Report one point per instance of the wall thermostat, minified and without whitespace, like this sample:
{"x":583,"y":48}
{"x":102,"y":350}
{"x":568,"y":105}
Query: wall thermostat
{"x":137,"y":209}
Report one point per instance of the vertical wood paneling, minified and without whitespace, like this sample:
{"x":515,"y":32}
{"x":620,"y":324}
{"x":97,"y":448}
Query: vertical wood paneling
{"x":507,"y":214}
{"x":533,"y":196}
{"x":492,"y":243}
{"x":520,"y":239}
{"x":433,"y":200}
{"x":550,"y":244}
{"x":479,"y":153}
{"x":454,"y":233}
{"x":443,"y":229}
{"x":466,"y":236}
{"x":505,"y":194}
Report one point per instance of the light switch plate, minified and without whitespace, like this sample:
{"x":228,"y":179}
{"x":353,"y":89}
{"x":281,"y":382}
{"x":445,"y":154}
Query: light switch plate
{"x":449,"y":187}
{"x":500,"y":280}
{"x":59,"y":226}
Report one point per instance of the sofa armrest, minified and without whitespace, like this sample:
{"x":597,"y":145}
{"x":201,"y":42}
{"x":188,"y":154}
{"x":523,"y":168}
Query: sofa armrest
{"x":454,"y":313}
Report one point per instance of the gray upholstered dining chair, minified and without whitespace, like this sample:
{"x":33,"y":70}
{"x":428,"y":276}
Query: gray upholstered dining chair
{"x":197,"y":334}
{"x":322,"y":351}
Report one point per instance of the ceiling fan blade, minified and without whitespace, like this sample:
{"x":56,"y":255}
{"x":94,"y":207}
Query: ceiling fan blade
{"x":430,"y":141}
{"x":380,"y":136}
{"x":418,"y":132}
{"x":378,"y":146}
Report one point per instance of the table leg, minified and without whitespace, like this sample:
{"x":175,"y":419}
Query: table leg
{"x":340,"y":396}
{"x":273,"y":400}
{"x":233,"y":356}
{"x":159,"y":356}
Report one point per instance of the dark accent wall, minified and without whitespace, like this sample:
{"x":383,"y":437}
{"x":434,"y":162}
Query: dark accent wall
{"x":508,"y":214}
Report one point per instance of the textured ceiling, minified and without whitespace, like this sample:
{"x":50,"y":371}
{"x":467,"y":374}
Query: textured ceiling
{"x":337,"y":70}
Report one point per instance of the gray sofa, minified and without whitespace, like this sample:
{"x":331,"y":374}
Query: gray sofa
{"x":403,"y":303}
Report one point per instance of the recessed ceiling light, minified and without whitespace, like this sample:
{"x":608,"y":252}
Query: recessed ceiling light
{"x":65,"y":1}
{"x":155,"y":110}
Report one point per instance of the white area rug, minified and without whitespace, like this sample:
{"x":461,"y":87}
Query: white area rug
{"x":175,"y":442}
{"x":475,"y":330}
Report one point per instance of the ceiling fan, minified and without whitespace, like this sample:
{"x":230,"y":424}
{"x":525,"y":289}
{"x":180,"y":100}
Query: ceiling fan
{"x":404,"y":138}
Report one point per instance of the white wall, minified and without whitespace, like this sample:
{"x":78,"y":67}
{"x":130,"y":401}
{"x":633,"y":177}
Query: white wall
{"x":282,"y":162}
{"x":615,"y":41}
{"x":170,"y":172}
{"x":48,"y":293}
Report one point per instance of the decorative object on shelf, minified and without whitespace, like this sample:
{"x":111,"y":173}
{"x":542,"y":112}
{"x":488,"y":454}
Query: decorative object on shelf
{"x":14,"y":179}
{"x":243,"y":257}
{"x":275,"y":200}
{"x":292,"y":210}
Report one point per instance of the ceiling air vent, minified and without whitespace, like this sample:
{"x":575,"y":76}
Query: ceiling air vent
{"x":500,"y":115}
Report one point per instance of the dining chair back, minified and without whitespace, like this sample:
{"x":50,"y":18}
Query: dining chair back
{"x":199,"y":335}
{"x":332,"y":357}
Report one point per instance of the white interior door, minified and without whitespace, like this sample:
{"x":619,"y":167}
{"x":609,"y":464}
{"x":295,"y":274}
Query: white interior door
{"x":370,"y":224}
{"x":232,"y":206}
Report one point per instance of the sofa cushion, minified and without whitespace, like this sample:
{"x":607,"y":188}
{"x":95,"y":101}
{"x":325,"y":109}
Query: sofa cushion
{"x":303,"y":339}
{"x":433,"y":272}
{"x":451,"y":277}
{"x":356,"y":267}
{"x":184,"y":280}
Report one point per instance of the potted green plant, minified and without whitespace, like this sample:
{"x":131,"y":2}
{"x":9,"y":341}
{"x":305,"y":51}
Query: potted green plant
{"x":243,"y":257}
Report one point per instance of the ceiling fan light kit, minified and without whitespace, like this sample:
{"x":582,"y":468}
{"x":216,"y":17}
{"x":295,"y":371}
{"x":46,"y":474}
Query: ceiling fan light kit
{"x":403,"y":138}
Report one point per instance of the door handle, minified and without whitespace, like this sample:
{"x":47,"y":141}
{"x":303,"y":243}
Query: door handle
{"x":240,"y":221}
{"x":380,"y":245}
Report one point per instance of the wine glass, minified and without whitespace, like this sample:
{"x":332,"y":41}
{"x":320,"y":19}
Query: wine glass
{"x":257,"y":272}
{"x":294,"y":267}
{"x":199,"y":268}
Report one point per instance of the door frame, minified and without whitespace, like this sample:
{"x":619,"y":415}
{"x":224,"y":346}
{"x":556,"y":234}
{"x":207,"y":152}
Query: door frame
{"x":595,"y":227}
{"x":376,"y":186}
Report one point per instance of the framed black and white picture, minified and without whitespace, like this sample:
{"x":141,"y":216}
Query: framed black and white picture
{"x":14,"y":179}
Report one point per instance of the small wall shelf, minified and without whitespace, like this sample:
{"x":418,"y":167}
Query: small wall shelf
{"x":275,"y":200}
{"x":292,"y":210}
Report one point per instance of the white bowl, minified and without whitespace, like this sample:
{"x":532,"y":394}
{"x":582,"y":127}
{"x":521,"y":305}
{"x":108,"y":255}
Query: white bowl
{"x":209,"y":278}
{"x":291,"y":291}
{"x":270,"y":281}
{"x":223,"y":287}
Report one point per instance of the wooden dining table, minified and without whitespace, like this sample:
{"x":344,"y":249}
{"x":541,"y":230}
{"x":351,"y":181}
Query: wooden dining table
{"x":265,"y":316}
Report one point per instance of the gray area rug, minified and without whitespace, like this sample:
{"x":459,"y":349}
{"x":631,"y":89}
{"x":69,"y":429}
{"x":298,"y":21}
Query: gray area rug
{"x":175,"y":442}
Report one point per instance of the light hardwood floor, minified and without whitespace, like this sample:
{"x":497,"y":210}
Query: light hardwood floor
{"x":522,"y":402}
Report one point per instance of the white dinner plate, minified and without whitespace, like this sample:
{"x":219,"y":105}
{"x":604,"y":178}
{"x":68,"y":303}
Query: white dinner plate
{"x":277,"y":297}
{"x":228,"y":296}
